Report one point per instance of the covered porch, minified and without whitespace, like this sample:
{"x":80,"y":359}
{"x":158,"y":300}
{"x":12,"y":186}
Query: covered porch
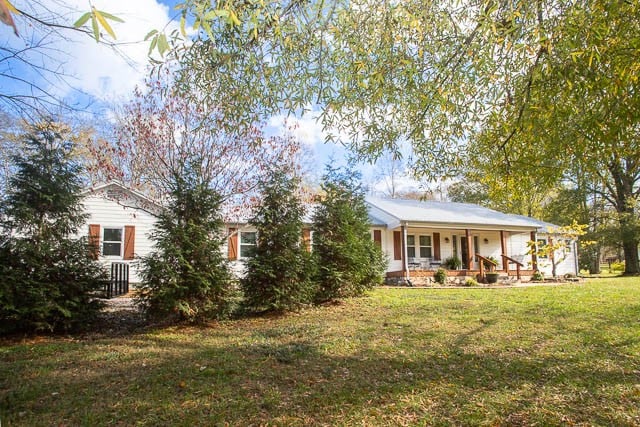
{"x":420,"y":249}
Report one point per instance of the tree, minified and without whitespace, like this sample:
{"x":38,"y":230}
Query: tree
{"x":279,"y":272}
{"x":186,"y":277}
{"x":160,"y":128}
{"x":47,"y":277}
{"x":530,"y":88}
{"x":556,"y":248}
{"x":348,"y":261}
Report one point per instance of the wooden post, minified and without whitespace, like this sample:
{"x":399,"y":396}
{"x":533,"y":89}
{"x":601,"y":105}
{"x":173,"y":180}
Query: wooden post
{"x":503,"y":243}
{"x":467,"y":233}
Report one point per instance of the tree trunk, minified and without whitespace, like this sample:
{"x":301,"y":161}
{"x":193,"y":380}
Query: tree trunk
{"x":630,"y":246}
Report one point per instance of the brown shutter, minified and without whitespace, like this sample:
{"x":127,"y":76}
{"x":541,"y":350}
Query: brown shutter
{"x":306,"y":238}
{"x":233,"y":244}
{"x":377,"y":237}
{"x":397,"y":245}
{"x":436,"y":246}
{"x":129,"y":241}
{"x":94,"y":240}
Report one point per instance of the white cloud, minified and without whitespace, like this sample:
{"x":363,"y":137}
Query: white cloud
{"x":96,"y":69}
{"x":306,"y":129}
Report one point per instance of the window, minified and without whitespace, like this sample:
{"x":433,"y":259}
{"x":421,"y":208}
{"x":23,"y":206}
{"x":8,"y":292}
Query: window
{"x":568,"y":246}
{"x":112,"y":241}
{"x":411,"y":246}
{"x":247,"y":244}
{"x":425,"y":247}
{"x":540,"y":243}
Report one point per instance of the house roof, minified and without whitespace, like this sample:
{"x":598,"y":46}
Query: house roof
{"x":393,"y":212}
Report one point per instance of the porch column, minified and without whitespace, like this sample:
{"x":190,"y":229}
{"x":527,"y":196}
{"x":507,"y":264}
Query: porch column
{"x":405,"y":262}
{"x":534,"y":257}
{"x":503,"y":244}
{"x":467,"y":233}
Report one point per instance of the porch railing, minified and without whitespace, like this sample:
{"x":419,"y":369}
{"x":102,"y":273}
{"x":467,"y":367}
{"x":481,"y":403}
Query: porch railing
{"x":491,"y":263}
{"x":118,"y":283}
{"x":505,"y":262}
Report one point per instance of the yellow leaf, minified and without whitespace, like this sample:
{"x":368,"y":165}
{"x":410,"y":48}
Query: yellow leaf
{"x":234,"y":18}
{"x":103,"y":22}
{"x":11,"y":7}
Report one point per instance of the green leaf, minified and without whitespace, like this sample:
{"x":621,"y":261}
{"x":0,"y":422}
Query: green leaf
{"x":163,"y":46}
{"x":150,"y":34}
{"x":82,"y":20}
{"x":96,"y":30}
{"x":153,"y":44}
{"x":183,"y":22}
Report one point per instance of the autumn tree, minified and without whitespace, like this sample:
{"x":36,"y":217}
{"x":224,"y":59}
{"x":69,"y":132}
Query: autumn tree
{"x":160,"y":128}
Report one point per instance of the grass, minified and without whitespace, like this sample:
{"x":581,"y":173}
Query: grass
{"x":542,"y":355}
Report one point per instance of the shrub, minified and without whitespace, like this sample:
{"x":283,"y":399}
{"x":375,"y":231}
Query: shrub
{"x":278,"y":275}
{"x":48,"y":280}
{"x":440,"y":276}
{"x":537,"y":276}
{"x":617,"y":266}
{"x":452,"y":263}
{"x":471,"y":282}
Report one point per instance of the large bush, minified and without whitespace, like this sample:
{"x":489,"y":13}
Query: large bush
{"x":348,"y":261}
{"x":48,"y":280}
{"x":278,"y":274}
{"x":186,"y":277}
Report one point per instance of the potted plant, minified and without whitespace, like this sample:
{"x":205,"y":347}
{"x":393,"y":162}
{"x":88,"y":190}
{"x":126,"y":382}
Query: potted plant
{"x":488,"y":265}
{"x":452,"y":263}
{"x":491,"y":277}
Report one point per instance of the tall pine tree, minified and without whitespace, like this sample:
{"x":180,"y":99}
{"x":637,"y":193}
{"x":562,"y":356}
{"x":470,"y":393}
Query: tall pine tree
{"x":348,"y":261}
{"x":47,"y":277}
{"x":187,"y":275}
{"x":278,"y":275}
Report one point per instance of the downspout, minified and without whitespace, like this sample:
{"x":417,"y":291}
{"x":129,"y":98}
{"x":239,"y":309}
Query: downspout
{"x":405,"y":262}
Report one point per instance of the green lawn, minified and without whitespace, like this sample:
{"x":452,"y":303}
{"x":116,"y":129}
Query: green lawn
{"x":543,"y":355}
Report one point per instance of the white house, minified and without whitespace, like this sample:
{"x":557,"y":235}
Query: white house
{"x":416,"y":236}
{"x":119,"y":223}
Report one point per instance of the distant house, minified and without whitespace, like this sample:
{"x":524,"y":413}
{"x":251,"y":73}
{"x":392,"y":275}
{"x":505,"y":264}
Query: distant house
{"x":119,"y":223}
{"x":418,"y":236}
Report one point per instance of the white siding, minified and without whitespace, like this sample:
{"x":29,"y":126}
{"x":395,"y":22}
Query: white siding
{"x":111,"y":213}
{"x":566,"y":260}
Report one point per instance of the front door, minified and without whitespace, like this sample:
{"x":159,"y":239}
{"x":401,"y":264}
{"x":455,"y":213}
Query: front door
{"x":464,"y":252}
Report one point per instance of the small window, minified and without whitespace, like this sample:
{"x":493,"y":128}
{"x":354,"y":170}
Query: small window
{"x":425,"y":246}
{"x":568,"y":246}
{"x":411,"y":246}
{"x":247,"y":244}
{"x":540,"y":243}
{"x":112,"y":242}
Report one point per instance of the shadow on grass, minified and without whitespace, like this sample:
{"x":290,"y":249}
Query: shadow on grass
{"x":268,"y":378}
